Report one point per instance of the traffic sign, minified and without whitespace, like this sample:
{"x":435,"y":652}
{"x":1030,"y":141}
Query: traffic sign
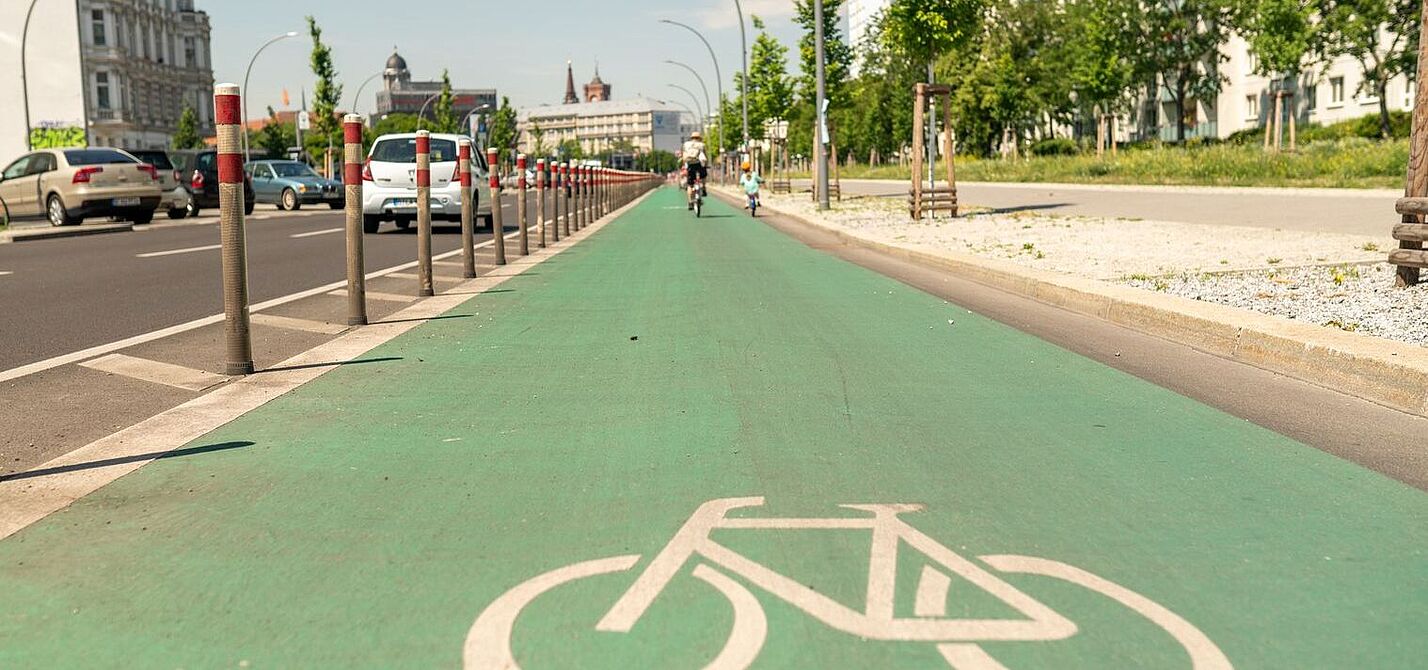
{"x":304,"y":122}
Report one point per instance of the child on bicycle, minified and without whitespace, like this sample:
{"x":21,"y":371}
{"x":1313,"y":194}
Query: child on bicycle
{"x":750,"y":182}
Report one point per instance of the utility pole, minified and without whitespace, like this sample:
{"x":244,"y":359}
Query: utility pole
{"x":820,"y":150}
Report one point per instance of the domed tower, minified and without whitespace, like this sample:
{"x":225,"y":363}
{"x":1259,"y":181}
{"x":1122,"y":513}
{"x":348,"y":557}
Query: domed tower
{"x":597,"y":90}
{"x":396,"y":74}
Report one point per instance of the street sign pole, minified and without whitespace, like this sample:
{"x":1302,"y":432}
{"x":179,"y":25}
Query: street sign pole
{"x":820,"y":152}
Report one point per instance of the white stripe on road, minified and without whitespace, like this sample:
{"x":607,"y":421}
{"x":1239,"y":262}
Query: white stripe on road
{"x":413,"y":277}
{"x":315,"y":233}
{"x":84,"y":354}
{"x":377,"y":295}
{"x":174,"y":252}
{"x":291,"y":323}
{"x":156,"y":372}
{"x":5,"y":272}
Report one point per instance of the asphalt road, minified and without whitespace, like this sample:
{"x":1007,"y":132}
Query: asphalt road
{"x":1360,"y":212}
{"x":64,"y":295}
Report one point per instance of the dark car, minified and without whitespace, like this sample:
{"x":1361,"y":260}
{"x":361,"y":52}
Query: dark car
{"x":202,"y":169}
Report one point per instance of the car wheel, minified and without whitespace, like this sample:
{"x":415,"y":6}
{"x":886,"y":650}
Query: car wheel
{"x":403,"y":224}
{"x":177,"y":213}
{"x":337,"y":205}
{"x":289,"y":200}
{"x":248,"y":207}
{"x":191,"y":210}
{"x":144,"y":217}
{"x":370,"y":224}
{"x":57,"y":214}
{"x":489,"y":221}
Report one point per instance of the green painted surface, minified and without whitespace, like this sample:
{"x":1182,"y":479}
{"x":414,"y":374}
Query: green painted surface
{"x":381,"y":508}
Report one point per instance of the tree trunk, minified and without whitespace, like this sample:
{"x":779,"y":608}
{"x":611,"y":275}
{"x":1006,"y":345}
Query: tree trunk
{"x":1384,"y":127}
{"x":1180,"y":94}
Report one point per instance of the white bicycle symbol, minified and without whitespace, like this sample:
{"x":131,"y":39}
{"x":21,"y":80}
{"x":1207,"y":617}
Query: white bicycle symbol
{"x":488,"y":644}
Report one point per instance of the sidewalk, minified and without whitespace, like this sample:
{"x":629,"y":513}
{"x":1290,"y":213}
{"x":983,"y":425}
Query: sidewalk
{"x":589,"y":406}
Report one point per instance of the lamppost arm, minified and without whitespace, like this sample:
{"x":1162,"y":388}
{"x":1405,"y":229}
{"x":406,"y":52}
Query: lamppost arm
{"x":357,"y":99}
{"x":248,"y":73}
{"x":421,"y":116}
{"x":24,"y":80}
{"x":707,"y":105}
{"x":744,"y":94}
{"x":703,"y":119}
{"x":718,"y":76}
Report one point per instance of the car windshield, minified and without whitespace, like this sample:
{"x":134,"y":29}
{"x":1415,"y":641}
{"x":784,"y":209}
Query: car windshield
{"x":96,"y":157}
{"x":403,"y":150}
{"x":157,"y":159}
{"x":292,"y":170}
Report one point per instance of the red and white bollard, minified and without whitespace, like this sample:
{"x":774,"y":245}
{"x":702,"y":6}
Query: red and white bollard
{"x":352,"y":182}
{"x":468,"y":210}
{"x":569,"y":196}
{"x":423,"y":187}
{"x":498,"y":229}
{"x":236,"y":326}
{"x":556,"y":215}
{"x":540,"y":203}
{"x":525,"y":241}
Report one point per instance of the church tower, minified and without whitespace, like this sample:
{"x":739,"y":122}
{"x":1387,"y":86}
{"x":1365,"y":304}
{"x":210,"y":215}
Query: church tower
{"x":570,"y":98}
{"x":597,"y":90}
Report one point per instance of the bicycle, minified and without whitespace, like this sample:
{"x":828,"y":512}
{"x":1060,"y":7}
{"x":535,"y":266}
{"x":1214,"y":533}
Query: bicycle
{"x":754,"y":205}
{"x":488,"y":643}
{"x":696,"y":197}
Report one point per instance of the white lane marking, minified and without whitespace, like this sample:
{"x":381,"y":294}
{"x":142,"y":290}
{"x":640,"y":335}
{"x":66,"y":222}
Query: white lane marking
{"x":291,"y":323}
{"x":4,"y":273}
{"x":415,"y":277}
{"x":315,"y":233}
{"x":378,"y":295}
{"x":450,"y":264}
{"x":66,"y":359}
{"x":932,"y":590}
{"x":174,"y":252}
{"x":156,"y":372}
{"x":488,"y":644}
{"x":130,"y":449}
{"x":1204,"y":655}
{"x":751,"y":625}
{"x":968,"y":657}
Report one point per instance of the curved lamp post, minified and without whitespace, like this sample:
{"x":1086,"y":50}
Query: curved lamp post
{"x":421,"y":116}
{"x":703,"y":119}
{"x":683,"y":107}
{"x":357,"y":99}
{"x":467,"y":118}
{"x":707,"y":105}
{"x":24,"y":80}
{"x":744,"y":95}
{"x":245,"y":85}
{"x":718,"y":76}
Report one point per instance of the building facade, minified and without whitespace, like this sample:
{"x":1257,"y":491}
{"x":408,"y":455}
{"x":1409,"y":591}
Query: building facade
{"x":144,"y":62}
{"x":859,"y":16}
{"x":640,"y":124}
{"x":401,"y":95}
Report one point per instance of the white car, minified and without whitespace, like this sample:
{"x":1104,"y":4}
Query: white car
{"x":389,"y":176}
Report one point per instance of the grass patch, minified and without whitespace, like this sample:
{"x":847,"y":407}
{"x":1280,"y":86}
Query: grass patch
{"x":1351,"y":162}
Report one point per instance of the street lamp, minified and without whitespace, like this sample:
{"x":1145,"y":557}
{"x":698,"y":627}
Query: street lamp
{"x":707,"y":104}
{"x":357,"y":99}
{"x":820,"y":152}
{"x":467,"y":118}
{"x":718,"y":76}
{"x":421,"y":116}
{"x":25,"y":82}
{"x":744,"y":95}
{"x":702,"y":118}
{"x":245,"y":85}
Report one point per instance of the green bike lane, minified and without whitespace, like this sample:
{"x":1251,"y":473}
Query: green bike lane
{"x":585,"y":412}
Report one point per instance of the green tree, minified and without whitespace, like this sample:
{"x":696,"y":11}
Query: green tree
{"x":1100,"y":66}
{"x":186,"y":135}
{"x":326,"y":95}
{"x":837,"y":54}
{"x":881,"y":96}
{"x":1381,"y":35}
{"x":770,"y":87}
{"x":1179,"y":45}
{"x":926,"y":29}
{"x":443,"y":110}
{"x":275,"y":138}
{"x":538,"y":147}
{"x":502,"y":128}
{"x":570,"y":150}
{"x":395,"y":124}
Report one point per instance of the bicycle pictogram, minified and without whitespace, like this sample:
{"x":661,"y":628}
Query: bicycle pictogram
{"x":488,"y":644}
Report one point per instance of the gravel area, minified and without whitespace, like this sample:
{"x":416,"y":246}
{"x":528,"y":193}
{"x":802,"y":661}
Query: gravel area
{"x":1331,"y":280}
{"x":1349,"y":297}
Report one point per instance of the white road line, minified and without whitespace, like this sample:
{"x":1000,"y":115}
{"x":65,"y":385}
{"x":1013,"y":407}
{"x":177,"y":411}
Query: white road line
{"x":174,"y":252}
{"x":414,"y":277}
{"x":449,"y":264}
{"x":378,"y":295}
{"x":4,"y":273}
{"x":99,"y":350}
{"x":315,"y":233}
{"x":157,"y":372}
{"x":291,"y":323}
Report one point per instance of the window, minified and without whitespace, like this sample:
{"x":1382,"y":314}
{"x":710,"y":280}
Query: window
{"x":1336,"y":91}
{"x":1311,"y":97}
{"x":1252,"y":106}
{"x":101,"y":90}
{"x":97,"y":27}
{"x":97,"y":157}
{"x":18,"y":168}
{"x":190,"y":53}
{"x":1252,"y":62}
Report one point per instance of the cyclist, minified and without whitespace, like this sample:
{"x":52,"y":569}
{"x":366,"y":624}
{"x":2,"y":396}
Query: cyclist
{"x":750,"y":182}
{"x":694,"y":162}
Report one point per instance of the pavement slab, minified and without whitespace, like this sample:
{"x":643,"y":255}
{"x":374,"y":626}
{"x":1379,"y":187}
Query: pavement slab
{"x":715,"y":376}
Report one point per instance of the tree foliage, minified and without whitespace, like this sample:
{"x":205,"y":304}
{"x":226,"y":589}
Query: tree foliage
{"x":443,"y":109}
{"x":926,"y":29}
{"x":186,"y":135}
{"x":503,"y":132}
{"x":770,"y":87}
{"x":1380,"y":35}
{"x":327,"y":94}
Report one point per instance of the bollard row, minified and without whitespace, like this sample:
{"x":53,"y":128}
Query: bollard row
{"x":579,"y":195}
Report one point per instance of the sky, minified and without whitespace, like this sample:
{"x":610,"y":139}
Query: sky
{"x":518,"y":48}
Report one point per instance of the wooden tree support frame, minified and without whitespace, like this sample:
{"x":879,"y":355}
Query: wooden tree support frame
{"x":923,"y":197}
{"x":1412,"y":230}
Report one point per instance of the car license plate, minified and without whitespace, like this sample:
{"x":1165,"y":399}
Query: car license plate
{"x":125,"y":202}
{"x":404,"y":202}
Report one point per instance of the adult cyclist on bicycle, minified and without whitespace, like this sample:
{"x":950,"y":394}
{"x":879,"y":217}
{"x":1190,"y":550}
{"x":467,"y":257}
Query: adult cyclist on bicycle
{"x":694,"y":163}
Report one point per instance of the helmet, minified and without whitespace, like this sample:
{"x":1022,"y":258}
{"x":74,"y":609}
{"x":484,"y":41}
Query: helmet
{"x":696,"y":135}
{"x":748,"y":165}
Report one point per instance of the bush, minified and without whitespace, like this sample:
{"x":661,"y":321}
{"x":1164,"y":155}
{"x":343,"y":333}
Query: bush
{"x":1400,"y":125}
{"x":1055,"y":146}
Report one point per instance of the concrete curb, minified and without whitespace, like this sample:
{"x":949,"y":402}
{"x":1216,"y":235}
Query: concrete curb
{"x":28,"y":234}
{"x":1393,"y":374}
